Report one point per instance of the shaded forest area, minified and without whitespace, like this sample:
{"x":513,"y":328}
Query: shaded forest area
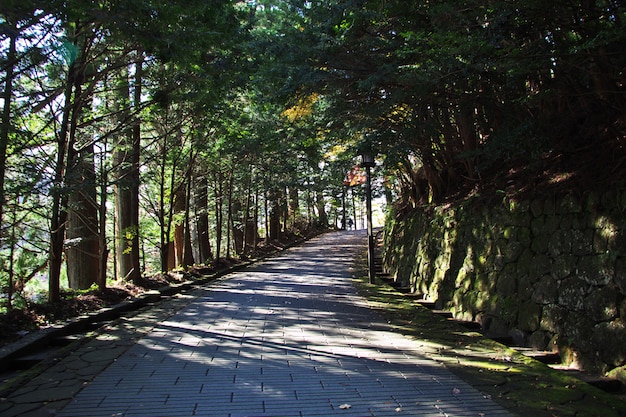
{"x":141,"y":137}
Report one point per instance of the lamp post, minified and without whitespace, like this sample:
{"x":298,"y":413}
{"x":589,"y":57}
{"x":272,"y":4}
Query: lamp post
{"x":367,"y":161}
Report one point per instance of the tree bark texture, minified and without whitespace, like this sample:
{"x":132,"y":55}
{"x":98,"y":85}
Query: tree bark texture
{"x":82,"y":244}
{"x":202,"y":220}
{"x":127,"y":154}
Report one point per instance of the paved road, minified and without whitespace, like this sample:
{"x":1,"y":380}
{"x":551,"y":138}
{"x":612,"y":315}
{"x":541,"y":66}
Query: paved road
{"x":287,"y":337}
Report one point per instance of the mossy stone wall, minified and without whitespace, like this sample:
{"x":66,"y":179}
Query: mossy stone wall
{"x":550,"y":272}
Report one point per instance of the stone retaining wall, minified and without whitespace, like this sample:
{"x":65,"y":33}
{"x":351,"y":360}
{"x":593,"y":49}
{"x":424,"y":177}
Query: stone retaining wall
{"x":550,"y":272}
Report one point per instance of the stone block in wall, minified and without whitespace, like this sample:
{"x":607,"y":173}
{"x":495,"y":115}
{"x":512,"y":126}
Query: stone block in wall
{"x":591,"y":202}
{"x":600,"y":242}
{"x":595,"y":269}
{"x":511,"y":250}
{"x":560,"y":243}
{"x":601,"y":304}
{"x":507,"y":280}
{"x":610,"y":340}
{"x":536,"y":207}
{"x":539,"y":244}
{"x":618,"y":373}
{"x":607,"y":231}
{"x":609,"y":198}
{"x":578,"y":332}
{"x":549,"y":205}
{"x":525,"y":261}
{"x":468,"y":260}
{"x":541,"y":265}
{"x":494,"y":325}
{"x":552,"y":318}
{"x":485,"y":282}
{"x":518,"y":337}
{"x":497,"y":261}
{"x":539,"y":340}
{"x":524,"y":235}
{"x":525,"y":287}
{"x":582,"y":242}
{"x":484,"y":302}
{"x":546,"y":291}
{"x":464,"y":280}
{"x":529,"y":317}
{"x":545,"y":225}
{"x":567,"y":221}
{"x":568,"y":204}
{"x":572,"y":293}
{"x":563,"y":266}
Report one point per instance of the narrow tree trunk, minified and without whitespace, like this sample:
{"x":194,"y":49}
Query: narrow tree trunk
{"x":104,"y":250}
{"x":182,"y":241}
{"x":165,"y":216}
{"x":218,"y":192}
{"x":247,"y":229}
{"x":266,"y":212}
{"x":125,"y":227}
{"x":11,"y":271}
{"x":354,"y":213}
{"x":321,"y":208}
{"x":163,"y":234}
{"x":58,"y":215}
{"x":294,"y":204}
{"x":274,"y":214}
{"x":202,"y":222}
{"x":237,"y":230}
{"x":179,"y":227}
{"x":127,"y":154}
{"x":229,"y":220}
{"x":5,"y":126}
{"x":256,"y":219}
{"x":182,"y":232}
{"x":284,"y":208}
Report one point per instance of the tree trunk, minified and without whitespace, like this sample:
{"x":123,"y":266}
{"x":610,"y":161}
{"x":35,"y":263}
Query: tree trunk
{"x":58,"y":215}
{"x":102,"y":213}
{"x":284,"y":208}
{"x":82,"y":248}
{"x":166,"y":216}
{"x":202,"y":222}
{"x":256,"y":217}
{"x":249,"y":225}
{"x":266,"y":214}
{"x":229,"y":220}
{"x":294,"y":204}
{"x":5,"y":126}
{"x":274,"y":214}
{"x":218,"y":192}
{"x":244,"y":221}
{"x":237,"y":229}
{"x":179,"y":227}
{"x":182,"y":236}
{"x":321,"y":208}
{"x":127,"y":187}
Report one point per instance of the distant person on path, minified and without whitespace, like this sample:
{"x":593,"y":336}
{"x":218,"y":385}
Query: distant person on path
{"x":350,"y":223}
